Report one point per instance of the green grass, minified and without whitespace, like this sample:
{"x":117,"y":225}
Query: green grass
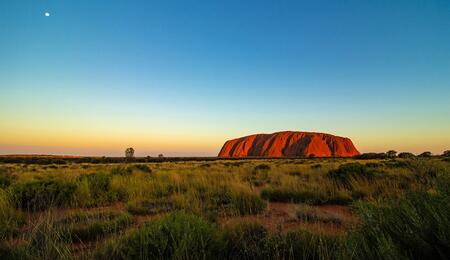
{"x":162,"y":209}
{"x":177,"y":236}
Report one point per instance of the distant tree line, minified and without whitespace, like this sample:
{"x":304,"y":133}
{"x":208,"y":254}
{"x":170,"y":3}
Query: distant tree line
{"x":129,"y":155}
{"x":393,"y":154}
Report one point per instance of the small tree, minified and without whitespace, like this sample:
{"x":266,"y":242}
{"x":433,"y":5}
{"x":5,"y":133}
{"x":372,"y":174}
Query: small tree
{"x":425,"y":154}
{"x":405,"y":155}
{"x":391,"y":154}
{"x":160,"y":155}
{"x":129,"y":153}
{"x":446,"y":153}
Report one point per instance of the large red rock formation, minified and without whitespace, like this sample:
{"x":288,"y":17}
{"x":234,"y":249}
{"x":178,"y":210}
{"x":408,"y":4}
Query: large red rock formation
{"x":289,"y":144}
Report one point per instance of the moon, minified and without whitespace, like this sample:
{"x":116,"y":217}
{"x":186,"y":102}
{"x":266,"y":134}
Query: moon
{"x":47,"y":14}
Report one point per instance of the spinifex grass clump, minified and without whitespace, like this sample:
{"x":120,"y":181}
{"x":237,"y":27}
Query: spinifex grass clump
{"x":177,"y":236}
{"x":309,"y":195}
{"x":246,"y":203}
{"x":143,"y":168}
{"x":346,"y":172}
{"x":6,"y":178}
{"x":42,"y":194}
{"x":262,"y":167}
{"x":300,"y":244}
{"x":83,"y":226}
{"x":245,"y":240}
{"x":96,"y":189}
{"x":250,"y":240}
{"x":11,"y":220}
{"x":148,"y":207}
{"x":415,"y":227}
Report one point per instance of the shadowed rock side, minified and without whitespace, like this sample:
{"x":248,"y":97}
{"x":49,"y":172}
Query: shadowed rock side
{"x":289,"y":144}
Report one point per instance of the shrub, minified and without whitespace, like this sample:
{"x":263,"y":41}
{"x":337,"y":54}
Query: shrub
{"x":82,"y":226}
{"x":306,"y":245}
{"x":391,"y":154}
{"x":100,"y":189}
{"x":247,"y":203}
{"x":374,"y":165}
{"x":295,"y":173}
{"x":366,"y":156}
{"x":150,"y":207}
{"x":346,"y":172}
{"x":309,"y":196}
{"x":405,"y":155}
{"x":316,"y":166}
{"x":42,"y":194}
{"x":261,"y":167}
{"x":6,"y":179}
{"x":10,"y":219}
{"x":46,"y":240}
{"x":176,"y":236}
{"x":417,"y":226}
{"x":426,"y":154}
{"x":233,"y":164}
{"x":122,"y":171}
{"x":245,"y":240}
{"x":143,"y":168}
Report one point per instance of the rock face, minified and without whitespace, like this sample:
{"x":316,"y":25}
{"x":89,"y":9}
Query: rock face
{"x":287,"y":144}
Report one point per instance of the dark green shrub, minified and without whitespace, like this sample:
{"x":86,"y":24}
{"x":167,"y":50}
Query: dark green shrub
{"x":122,"y":171}
{"x":246,"y":240}
{"x":261,"y":167}
{"x":176,"y":236}
{"x":6,"y":179}
{"x":12,"y":252}
{"x":205,"y":165}
{"x":346,"y":172}
{"x":316,"y":166}
{"x":83,"y":226}
{"x":310,"y":196}
{"x":399,"y":164}
{"x":150,"y":207}
{"x":406,"y":155}
{"x":367,"y":156}
{"x":295,"y":173}
{"x":11,"y":219}
{"x":246,"y":203}
{"x":42,"y":194}
{"x":374,"y":165}
{"x":306,"y":245}
{"x":233,"y":164}
{"x":426,"y":154}
{"x":415,"y":227}
{"x":100,"y":189}
{"x":143,"y":168}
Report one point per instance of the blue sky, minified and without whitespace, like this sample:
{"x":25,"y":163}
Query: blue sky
{"x":181,"y":77}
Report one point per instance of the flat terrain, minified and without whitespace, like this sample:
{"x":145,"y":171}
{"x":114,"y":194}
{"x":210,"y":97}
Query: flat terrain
{"x":252,"y":209}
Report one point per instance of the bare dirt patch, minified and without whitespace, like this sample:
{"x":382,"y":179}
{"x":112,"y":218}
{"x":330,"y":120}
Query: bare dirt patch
{"x":282,"y":217}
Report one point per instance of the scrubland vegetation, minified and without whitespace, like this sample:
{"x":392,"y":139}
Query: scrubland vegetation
{"x":336,"y":208}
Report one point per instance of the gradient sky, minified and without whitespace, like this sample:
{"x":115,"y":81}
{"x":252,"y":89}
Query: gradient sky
{"x":181,"y":77}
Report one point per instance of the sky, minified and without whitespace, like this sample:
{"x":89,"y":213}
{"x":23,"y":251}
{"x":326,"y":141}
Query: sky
{"x":182,"y":77}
